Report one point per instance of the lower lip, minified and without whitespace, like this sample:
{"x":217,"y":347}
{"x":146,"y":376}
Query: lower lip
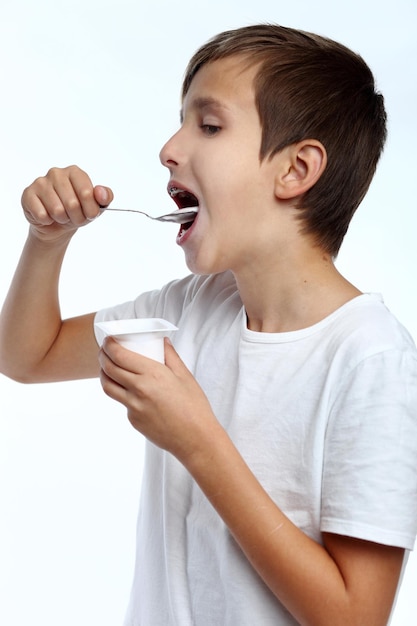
{"x":183,"y":238}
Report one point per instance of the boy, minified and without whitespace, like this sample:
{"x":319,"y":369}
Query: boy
{"x":280,"y":479}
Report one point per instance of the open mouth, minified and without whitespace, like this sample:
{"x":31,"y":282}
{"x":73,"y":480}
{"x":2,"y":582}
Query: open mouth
{"x":184,"y":199}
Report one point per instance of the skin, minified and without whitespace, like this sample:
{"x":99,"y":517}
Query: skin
{"x":286,"y":283}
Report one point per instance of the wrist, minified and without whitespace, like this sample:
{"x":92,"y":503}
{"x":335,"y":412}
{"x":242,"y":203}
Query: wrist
{"x":211,"y":448}
{"x":47,"y":239}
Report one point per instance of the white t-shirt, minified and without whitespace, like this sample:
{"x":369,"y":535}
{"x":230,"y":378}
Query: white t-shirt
{"x":325,"y":417}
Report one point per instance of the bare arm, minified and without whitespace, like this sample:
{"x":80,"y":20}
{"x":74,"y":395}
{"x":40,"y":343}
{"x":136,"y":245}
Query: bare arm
{"x":36,"y":345}
{"x":344,"y":582}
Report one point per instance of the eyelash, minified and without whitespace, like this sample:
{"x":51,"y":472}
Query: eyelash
{"x":210,"y":129}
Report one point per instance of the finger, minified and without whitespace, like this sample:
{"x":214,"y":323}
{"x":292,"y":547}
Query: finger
{"x":69,"y":209}
{"x":112,"y":370}
{"x":127,"y":360}
{"x":41,"y":202}
{"x":112,"y":389}
{"x":103,"y":195}
{"x":35,"y":211}
{"x":82,"y":203}
{"x":61,"y":193}
{"x":173,"y":360}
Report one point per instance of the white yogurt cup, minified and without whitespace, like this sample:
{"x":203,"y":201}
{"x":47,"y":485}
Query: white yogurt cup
{"x":144,"y":336}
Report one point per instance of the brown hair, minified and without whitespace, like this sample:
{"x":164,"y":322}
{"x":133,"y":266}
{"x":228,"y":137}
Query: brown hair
{"x":310,"y":87}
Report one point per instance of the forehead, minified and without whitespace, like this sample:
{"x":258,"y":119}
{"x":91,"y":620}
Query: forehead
{"x":225,"y":82}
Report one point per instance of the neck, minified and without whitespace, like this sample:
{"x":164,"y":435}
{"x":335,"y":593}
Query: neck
{"x":289,"y":296}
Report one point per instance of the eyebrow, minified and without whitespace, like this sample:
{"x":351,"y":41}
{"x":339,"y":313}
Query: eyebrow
{"x":203,"y":102}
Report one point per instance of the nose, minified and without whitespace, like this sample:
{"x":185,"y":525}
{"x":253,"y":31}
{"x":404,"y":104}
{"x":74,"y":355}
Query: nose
{"x":170,"y":154}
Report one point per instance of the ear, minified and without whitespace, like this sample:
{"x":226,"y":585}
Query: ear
{"x":300,"y":166}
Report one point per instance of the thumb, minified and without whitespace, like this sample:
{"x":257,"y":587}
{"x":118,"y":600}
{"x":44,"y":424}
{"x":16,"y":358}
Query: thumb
{"x":103,"y":195}
{"x":172,"y":358}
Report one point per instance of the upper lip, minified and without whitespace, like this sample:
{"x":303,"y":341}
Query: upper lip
{"x":182,"y":196}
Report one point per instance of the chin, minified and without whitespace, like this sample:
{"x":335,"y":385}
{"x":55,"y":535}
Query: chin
{"x":203,"y":267}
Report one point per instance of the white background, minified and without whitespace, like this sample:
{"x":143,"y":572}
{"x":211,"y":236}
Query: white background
{"x":96,"y":82}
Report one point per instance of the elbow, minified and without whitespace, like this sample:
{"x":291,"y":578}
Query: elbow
{"x":18,"y":374}
{"x":18,"y":378}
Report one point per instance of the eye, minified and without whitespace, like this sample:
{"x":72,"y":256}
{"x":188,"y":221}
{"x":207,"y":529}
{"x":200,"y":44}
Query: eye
{"x":210,"y":130}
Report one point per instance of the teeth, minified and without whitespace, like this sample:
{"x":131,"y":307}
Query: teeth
{"x":185,"y":198}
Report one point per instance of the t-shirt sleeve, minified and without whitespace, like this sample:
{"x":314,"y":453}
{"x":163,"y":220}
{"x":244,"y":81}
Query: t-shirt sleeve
{"x":370,"y":465}
{"x":167,"y":303}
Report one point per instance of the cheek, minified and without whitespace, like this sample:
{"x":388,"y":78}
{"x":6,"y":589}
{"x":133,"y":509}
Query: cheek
{"x":232,"y":184}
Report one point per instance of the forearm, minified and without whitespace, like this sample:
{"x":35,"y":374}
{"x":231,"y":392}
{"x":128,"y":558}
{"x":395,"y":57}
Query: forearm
{"x":30,"y":319}
{"x":303,"y":574}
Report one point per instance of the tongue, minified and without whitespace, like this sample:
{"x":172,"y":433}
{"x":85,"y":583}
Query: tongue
{"x":186,"y":226}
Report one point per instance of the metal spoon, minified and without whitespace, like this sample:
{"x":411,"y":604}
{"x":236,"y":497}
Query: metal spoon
{"x":179,"y":216}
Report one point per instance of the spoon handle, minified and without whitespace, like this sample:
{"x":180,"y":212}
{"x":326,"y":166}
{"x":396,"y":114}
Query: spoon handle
{"x":179,"y":216}
{"x":110,"y":208}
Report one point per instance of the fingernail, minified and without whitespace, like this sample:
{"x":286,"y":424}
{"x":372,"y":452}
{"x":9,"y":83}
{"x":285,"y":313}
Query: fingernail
{"x":91,"y":219}
{"x":104,"y":196}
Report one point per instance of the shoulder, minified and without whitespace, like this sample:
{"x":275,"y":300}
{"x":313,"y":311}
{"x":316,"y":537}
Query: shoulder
{"x":366,"y":327}
{"x":208,"y":291}
{"x":373,"y":363}
{"x":171,"y":300}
